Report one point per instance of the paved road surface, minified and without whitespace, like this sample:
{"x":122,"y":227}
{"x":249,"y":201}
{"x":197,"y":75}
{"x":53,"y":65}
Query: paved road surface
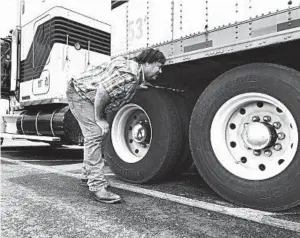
{"x":42,"y":197}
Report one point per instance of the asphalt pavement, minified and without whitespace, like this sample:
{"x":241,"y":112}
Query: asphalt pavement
{"x":42,"y":196}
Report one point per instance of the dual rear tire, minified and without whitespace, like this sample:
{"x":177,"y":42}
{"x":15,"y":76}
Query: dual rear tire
{"x":149,"y":138}
{"x":254,"y":171}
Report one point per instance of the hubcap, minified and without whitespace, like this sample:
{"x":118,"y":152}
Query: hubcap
{"x":257,"y":135}
{"x":139,"y":133}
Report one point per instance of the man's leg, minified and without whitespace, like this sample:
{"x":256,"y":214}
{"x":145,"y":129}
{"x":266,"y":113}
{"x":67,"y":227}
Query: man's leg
{"x":93,"y":162}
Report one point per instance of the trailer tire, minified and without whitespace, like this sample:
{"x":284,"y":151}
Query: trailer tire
{"x":184,"y":113}
{"x":163,"y":152}
{"x":218,"y":152}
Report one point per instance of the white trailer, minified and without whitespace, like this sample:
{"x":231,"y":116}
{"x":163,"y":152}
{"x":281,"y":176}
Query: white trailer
{"x":227,"y":99}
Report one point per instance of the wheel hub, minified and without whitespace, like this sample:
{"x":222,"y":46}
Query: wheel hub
{"x":131,"y":133}
{"x":139,"y":133}
{"x":261,"y":136}
{"x":257,"y":135}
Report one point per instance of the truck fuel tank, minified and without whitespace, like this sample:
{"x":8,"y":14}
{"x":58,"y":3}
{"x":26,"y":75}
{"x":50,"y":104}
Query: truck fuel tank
{"x":53,"y":121}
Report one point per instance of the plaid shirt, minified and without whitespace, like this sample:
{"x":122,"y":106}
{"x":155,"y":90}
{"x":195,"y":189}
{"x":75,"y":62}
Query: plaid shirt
{"x":119,"y":77}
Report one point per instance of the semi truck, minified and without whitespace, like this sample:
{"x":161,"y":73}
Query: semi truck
{"x":227,"y":100}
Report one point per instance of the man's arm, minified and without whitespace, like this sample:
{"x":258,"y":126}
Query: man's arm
{"x":101,"y":100}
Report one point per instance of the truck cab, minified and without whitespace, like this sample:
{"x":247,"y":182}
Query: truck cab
{"x":54,"y":41}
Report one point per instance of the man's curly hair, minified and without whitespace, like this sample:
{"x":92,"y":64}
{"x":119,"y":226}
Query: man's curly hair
{"x":150,"y":56}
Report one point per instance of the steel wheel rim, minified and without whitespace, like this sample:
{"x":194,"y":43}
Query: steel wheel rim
{"x":128,"y":133}
{"x":228,"y":136}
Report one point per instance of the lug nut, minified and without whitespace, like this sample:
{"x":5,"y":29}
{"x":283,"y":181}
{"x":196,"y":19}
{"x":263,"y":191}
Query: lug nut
{"x":267,"y":118}
{"x":277,"y":125}
{"x":281,"y":135}
{"x":246,"y":124}
{"x":255,"y":119}
{"x":244,"y":160}
{"x":268,"y":153}
{"x":277,"y":147}
{"x":256,"y":152}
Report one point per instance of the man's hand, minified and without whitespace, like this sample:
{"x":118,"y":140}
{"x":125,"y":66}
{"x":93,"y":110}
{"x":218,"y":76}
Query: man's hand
{"x":101,"y":100}
{"x":145,"y":85}
{"x":103,"y":124}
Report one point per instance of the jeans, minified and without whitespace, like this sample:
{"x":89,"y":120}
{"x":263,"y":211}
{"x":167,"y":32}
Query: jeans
{"x":93,"y":161}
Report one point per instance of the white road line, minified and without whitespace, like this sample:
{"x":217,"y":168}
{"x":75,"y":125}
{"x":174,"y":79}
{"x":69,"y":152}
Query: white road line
{"x":49,"y":160}
{"x":243,"y":213}
{"x":68,"y":167}
{"x":72,"y":147}
{"x":41,"y":167}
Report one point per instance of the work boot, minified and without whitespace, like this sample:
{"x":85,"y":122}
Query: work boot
{"x":84,"y":183}
{"x":105,"y":196}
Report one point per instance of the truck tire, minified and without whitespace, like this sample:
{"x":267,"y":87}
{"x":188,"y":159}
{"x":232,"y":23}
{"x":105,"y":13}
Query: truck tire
{"x":244,"y":136}
{"x":184,"y":113}
{"x":144,"y":143}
